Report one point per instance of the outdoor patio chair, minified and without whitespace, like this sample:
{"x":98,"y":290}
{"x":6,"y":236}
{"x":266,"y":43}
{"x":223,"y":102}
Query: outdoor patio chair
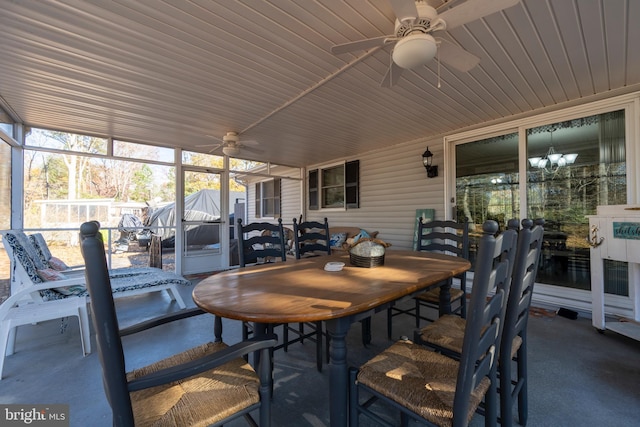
{"x":447,"y":333}
{"x":44,"y":254}
{"x":39,"y":293}
{"x":208,"y":385}
{"x":30,"y":269}
{"x":448,"y":237}
{"x":434,"y":389}
{"x":260,"y":242}
{"x":38,"y":300}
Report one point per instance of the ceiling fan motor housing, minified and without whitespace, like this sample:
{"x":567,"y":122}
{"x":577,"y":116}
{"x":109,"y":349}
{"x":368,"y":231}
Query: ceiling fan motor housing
{"x":416,"y":46}
{"x":230,"y":137}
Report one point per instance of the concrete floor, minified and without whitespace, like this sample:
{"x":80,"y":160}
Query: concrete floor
{"x":578,"y":377}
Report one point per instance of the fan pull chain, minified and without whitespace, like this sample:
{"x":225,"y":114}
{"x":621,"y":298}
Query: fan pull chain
{"x":438,"y":59}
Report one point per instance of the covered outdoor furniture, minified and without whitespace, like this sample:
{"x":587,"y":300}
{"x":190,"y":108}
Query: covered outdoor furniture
{"x":207,"y":385}
{"x":434,"y":389}
{"x":448,"y":237}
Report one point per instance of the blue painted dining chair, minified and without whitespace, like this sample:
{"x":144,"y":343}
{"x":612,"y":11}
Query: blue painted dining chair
{"x":210,"y":384}
{"x":434,"y":389}
{"x":442,"y":236}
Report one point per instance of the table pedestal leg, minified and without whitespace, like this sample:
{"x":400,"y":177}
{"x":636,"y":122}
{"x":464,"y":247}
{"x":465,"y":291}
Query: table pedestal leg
{"x":338,"y":377}
{"x":262,"y":329}
{"x":445,"y":298}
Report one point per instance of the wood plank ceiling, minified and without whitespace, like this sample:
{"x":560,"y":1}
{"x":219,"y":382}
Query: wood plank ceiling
{"x":172,"y":72}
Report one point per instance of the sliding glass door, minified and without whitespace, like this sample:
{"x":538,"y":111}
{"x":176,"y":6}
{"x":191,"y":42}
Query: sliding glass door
{"x":559,"y":171}
{"x":572,"y":167}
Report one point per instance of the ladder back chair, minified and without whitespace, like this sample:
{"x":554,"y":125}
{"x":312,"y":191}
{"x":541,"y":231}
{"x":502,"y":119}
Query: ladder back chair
{"x":261,"y":242}
{"x":429,"y":387}
{"x":513,"y":384}
{"x":448,"y":237}
{"x":447,"y":333}
{"x":311,"y":238}
{"x":207,"y":385}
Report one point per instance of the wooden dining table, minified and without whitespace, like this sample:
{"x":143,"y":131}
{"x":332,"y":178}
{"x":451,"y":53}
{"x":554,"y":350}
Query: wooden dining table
{"x":303,"y":291}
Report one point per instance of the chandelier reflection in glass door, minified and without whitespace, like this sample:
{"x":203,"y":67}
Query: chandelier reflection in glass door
{"x":552,"y":158}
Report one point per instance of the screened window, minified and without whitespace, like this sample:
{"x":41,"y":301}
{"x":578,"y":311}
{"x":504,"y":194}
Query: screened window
{"x":66,"y":141}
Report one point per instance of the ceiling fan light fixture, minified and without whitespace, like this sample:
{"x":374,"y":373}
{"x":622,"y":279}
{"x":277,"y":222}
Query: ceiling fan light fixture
{"x":230,"y":150}
{"x":414,"y":50}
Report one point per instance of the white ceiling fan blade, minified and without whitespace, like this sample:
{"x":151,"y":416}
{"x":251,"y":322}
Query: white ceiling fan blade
{"x":455,"y":56}
{"x":214,"y":148}
{"x":359,"y":45}
{"x":471,"y":10}
{"x":249,"y":142}
{"x":405,"y":10}
{"x":392,"y":75}
{"x":250,"y":149}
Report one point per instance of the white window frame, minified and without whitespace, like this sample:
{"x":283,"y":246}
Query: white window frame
{"x":259,"y":202}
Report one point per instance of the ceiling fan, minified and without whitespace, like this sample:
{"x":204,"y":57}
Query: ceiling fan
{"x":232,"y":145}
{"x":414,"y":44}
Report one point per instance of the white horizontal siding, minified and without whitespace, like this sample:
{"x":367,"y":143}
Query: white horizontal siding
{"x":290,"y":201}
{"x":393,"y":184}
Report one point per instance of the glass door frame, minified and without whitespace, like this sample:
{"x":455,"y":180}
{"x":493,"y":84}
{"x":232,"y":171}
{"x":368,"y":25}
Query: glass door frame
{"x":544,"y":293}
{"x":206,"y":261}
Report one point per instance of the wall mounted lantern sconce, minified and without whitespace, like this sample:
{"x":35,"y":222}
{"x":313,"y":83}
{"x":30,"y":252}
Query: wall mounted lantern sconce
{"x":427,"y":159}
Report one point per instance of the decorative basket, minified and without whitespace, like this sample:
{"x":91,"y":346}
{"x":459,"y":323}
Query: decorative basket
{"x":366,"y":262}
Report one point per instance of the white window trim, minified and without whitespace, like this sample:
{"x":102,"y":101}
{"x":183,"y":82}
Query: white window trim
{"x":262,"y":199}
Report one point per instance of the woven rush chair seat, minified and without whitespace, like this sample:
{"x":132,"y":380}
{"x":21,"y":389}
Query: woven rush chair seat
{"x":399,"y":373}
{"x":440,"y":236}
{"x":433,"y":295}
{"x":199,"y":400}
{"x":448,"y":334}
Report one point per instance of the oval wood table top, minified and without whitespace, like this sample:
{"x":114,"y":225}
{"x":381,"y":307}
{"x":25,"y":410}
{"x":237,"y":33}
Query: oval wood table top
{"x":302,"y":291}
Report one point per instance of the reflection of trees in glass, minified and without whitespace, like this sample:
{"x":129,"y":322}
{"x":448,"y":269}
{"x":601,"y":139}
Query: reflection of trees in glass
{"x":484,"y":197}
